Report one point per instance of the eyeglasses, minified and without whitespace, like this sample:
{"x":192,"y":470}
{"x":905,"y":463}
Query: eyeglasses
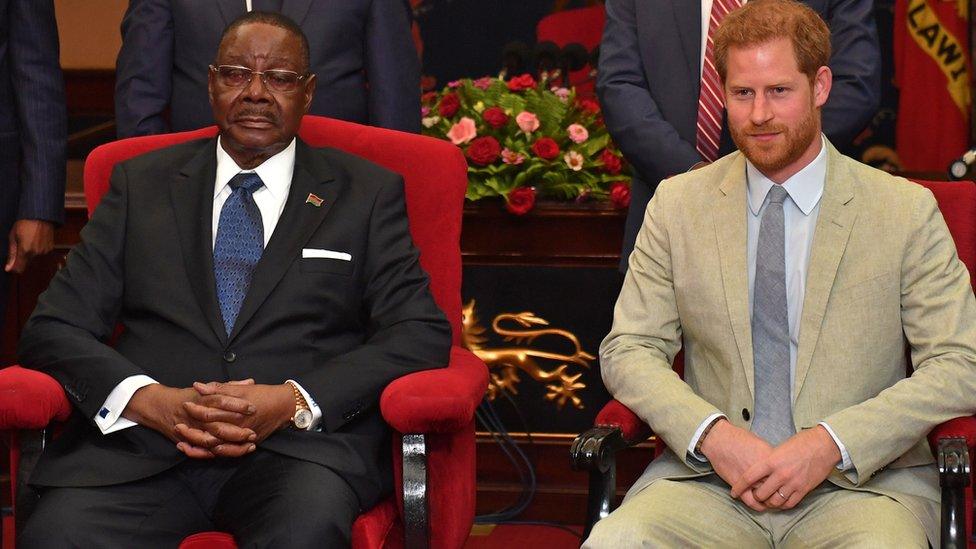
{"x":277,"y":80}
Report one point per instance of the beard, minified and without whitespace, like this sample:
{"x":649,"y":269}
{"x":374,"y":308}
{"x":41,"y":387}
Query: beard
{"x":773,"y":157}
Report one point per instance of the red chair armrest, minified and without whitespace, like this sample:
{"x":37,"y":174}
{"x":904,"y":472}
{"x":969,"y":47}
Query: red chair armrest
{"x":30,"y":399}
{"x":959,"y":427}
{"x":631,"y":426}
{"x":436,"y":401}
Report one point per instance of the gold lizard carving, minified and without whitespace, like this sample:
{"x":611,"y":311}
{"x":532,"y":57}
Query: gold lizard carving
{"x":505,"y":362}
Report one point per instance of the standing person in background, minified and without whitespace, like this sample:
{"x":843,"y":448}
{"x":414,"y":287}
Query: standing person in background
{"x":33,"y":134}
{"x":362,"y":54}
{"x":651,"y":69}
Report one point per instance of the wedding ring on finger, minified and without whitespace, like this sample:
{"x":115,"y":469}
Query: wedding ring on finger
{"x":780,"y":494}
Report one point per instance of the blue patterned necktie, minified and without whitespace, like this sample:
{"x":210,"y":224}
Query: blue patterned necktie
{"x":238,"y":247}
{"x":771,"y":327}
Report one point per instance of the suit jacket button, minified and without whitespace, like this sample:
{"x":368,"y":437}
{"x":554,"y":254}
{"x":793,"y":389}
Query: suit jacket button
{"x":745,"y":414}
{"x":229,"y":356}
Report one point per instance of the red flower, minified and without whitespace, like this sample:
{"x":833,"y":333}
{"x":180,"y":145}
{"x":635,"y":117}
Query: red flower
{"x":449,"y":106}
{"x":484,"y":150}
{"x":611,"y":162}
{"x":620,"y":195}
{"x":495,"y":117}
{"x":589,"y":106}
{"x":522,"y":82}
{"x":428,"y":97}
{"x":427,"y":82}
{"x":545,"y":148}
{"x":519,"y":201}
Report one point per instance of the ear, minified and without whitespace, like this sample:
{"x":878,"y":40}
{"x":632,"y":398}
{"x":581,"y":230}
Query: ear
{"x":309,"y":92}
{"x":822,"y":82}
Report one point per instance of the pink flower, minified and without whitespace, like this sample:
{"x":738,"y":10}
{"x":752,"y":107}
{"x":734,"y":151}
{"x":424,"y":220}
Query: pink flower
{"x":463,"y":131}
{"x":454,"y":84}
{"x":574,"y":160}
{"x":512,"y":157}
{"x":424,"y":111}
{"x":577,"y":133}
{"x":527,"y":122}
{"x":561,"y":93}
{"x":483,"y":83}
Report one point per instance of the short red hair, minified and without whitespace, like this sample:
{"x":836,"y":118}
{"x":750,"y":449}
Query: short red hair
{"x":762,"y":21}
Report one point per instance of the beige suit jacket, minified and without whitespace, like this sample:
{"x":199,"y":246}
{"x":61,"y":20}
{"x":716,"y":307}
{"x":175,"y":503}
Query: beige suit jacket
{"x":883,"y":277}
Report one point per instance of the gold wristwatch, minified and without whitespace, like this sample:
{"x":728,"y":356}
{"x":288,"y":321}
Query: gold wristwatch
{"x":303,"y":414}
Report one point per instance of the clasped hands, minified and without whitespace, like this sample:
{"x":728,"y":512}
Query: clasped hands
{"x":768,"y":478}
{"x":213,"y":419}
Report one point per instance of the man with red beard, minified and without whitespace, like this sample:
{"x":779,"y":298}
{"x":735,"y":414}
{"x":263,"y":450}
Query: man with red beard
{"x":795,"y":279}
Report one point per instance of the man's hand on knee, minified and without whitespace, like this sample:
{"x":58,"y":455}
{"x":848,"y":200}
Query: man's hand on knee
{"x":273,"y":407}
{"x":732,"y":451}
{"x":790,"y":471}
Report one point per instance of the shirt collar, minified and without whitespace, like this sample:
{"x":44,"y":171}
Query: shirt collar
{"x":275,"y":172}
{"x":805,"y":187}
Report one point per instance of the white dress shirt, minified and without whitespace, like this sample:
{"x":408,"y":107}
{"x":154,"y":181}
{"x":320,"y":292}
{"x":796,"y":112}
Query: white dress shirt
{"x":276,"y":173}
{"x":800,"y":214}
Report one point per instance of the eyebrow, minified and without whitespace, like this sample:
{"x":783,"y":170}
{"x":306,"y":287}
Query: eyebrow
{"x":272,"y":60}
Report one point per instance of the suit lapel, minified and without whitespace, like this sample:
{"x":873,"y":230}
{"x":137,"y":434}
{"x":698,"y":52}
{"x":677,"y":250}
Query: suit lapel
{"x":729,"y":218}
{"x":230,"y":10}
{"x":296,"y":9}
{"x":687,"y":16}
{"x":833,"y":230}
{"x":297,"y":223}
{"x":192,"y":200}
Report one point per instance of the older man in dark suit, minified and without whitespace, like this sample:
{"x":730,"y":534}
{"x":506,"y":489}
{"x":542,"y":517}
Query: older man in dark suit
{"x":285,"y":273}
{"x":654,"y":58}
{"x":361,"y":52}
{"x":32,"y":134}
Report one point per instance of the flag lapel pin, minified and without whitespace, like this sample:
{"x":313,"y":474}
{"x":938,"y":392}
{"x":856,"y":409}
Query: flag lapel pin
{"x":314,"y":200}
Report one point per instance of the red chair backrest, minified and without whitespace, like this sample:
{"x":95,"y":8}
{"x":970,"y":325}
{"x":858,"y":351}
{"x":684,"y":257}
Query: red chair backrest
{"x":582,"y":26}
{"x":957,"y":202}
{"x":434,"y":174}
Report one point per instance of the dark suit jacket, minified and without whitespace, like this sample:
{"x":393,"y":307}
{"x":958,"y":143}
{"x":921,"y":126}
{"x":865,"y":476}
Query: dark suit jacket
{"x":649,"y":81}
{"x":361,"y":51}
{"x":32,"y":116}
{"x":342,"y":329}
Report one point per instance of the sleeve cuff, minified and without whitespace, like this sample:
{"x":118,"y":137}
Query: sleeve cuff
{"x":845,"y":458}
{"x":698,"y":433}
{"x":312,"y":405}
{"x":109,"y":417}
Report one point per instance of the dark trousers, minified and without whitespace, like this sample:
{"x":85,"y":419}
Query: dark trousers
{"x":263,"y":499}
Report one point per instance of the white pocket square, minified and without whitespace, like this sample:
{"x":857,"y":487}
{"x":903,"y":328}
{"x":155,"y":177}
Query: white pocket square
{"x":325,"y":254}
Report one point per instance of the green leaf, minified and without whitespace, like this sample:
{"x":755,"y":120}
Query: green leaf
{"x":595,"y":144}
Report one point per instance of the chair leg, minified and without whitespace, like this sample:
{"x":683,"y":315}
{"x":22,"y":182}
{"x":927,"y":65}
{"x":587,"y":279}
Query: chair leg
{"x":954,"y":473}
{"x":599,"y":501}
{"x":415,"y":508}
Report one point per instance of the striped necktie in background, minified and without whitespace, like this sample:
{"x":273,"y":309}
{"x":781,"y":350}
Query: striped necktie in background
{"x":710,"y":99}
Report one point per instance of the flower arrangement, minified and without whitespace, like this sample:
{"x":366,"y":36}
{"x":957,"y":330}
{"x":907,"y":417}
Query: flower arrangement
{"x":523,"y":139}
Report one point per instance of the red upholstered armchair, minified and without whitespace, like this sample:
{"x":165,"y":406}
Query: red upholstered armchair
{"x":952,"y":442}
{"x":430,"y":412}
{"x":582,"y":26}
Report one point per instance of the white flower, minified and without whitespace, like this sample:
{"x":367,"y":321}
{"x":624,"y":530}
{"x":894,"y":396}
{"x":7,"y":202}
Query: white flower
{"x":574,"y":160}
{"x":429,"y":121}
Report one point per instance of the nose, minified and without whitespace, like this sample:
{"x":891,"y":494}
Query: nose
{"x":762,"y":111}
{"x":256,"y":90}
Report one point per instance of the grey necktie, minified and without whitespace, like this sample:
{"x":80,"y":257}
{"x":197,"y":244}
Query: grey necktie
{"x":771,"y":327}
